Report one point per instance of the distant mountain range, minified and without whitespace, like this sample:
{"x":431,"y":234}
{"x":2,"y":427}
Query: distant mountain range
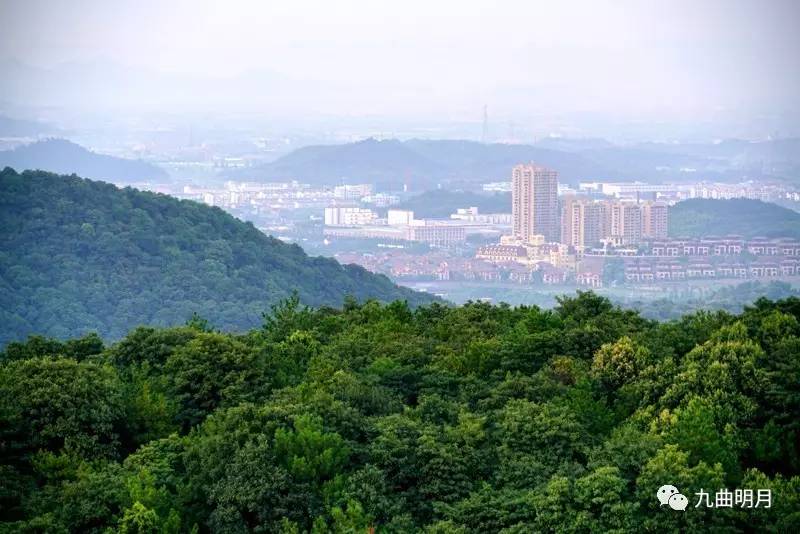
{"x":78,"y":256}
{"x":419,"y":164}
{"x":424,"y":164}
{"x":64,"y":157}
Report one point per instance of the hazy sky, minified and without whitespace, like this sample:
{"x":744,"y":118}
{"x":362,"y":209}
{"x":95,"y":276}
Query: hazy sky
{"x":653,"y":58}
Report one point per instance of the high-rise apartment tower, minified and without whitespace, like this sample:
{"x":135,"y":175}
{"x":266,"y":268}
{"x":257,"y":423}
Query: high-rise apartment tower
{"x":582,"y":223}
{"x":623,"y":222}
{"x":534,"y":202}
{"x":655,"y":220}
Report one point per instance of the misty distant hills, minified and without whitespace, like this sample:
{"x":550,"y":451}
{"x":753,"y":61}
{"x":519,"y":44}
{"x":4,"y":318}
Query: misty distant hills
{"x":64,"y":157}
{"x":381,"y":162}
{"x":424,"y":164}
{"x":570,"y":144}
{"x":779,"y":157}
{"x":419,"y":163}
{"x":783,"y":149}
{"x":740,"y":216}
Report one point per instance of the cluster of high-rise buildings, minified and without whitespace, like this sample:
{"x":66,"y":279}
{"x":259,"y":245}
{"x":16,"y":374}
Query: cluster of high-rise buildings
{"x":577,"y":221}
{"x":554,"y":235}
{"x":586,"y":223}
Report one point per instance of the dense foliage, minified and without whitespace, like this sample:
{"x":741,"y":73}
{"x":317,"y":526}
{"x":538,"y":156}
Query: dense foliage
{"x":477,"y":418}
{"x":77,"y":255}
{"x":739,"y":216}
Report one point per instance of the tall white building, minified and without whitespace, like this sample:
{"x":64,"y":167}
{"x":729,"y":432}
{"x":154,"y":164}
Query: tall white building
{"x":534,"y":202}
{"x":400,"y":217}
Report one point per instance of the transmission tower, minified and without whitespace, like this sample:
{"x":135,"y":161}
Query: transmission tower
{"x":485,"y":133}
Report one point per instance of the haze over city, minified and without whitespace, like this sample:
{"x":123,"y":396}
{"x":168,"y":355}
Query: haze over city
{"x":572,"y":68}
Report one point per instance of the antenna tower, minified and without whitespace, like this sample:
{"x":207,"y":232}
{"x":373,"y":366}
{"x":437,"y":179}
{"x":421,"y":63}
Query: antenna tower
{"x":485,"y":133}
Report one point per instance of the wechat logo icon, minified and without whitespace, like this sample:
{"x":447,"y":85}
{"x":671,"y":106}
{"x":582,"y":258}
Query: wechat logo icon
{"x":673,"y":498}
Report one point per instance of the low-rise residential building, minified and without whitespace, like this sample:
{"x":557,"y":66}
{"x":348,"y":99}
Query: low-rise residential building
{"x":387,"y":233}
{"x":352,"y":192}
{"x":502,"y":253}
{"x":472,"y":215}
{"x":400,"y":217}
{"x":790,"y":267}
{"x":725,"y":246}
{"x":589,"y":279}
{"x":589,"y":272}
{"x":348,"y":216}
{"x":646,"y":269}
{"x":437,"y":234}
{"x":763,"y":247}
{"x":765,"y":269}
{"x":381,"y":200}
{"x":519,"y":273}
{"x":551,"y":274}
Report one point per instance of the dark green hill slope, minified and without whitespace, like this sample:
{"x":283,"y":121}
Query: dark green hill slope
{"x":744,"y":217}
{"x":78,"y":255}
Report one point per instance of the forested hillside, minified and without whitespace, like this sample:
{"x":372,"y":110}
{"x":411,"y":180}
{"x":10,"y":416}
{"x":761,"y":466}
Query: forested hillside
{"x":472,"y":419}
{"x":79,"y":256}
{"x":740,"y":216}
